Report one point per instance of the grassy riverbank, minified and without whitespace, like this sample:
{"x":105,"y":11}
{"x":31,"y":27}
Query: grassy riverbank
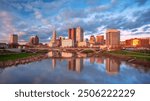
{"x":132,"y":54}
{"x":16,"y":56}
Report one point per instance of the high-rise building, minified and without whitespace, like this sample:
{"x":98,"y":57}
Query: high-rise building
{"x":76,"y":34}
{"x":100,"y":39}
{"x":54,"y":36}
{"x":72,"y":34}
{"x":53,"y":42}
{"x":92,"y":39}
{"x":13,"y":39}
{"x":79,"y":34}
{"x":13,"y":42}
{"x":34,"y":40}
{"x":69,"y":33}
{"x":112,"y":39}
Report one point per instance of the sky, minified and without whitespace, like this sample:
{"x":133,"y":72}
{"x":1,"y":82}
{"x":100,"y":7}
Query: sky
{"x":40,"y":17}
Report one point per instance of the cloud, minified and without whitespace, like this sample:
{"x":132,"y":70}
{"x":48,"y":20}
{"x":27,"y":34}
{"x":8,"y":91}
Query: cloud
{"x":44,"y":21}
{"x":7,"y":26}
{"x":141,"y":2}
{"x":41,"y":17}
{"x":103,"y":7}
{"x":6,"y":21}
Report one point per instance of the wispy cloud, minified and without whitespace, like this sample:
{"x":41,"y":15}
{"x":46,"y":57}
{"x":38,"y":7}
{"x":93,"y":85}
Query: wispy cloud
{"x":40,"y":17}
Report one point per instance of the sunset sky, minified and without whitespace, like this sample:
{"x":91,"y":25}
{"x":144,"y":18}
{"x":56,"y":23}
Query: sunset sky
{"x":41,"y":17}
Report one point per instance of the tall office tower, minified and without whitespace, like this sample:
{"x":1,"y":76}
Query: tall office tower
{"x":113,"y":39}
{"x":79,"y":34}
{"x":72,"y":34}
{"x":34,"y":40}
{"x":92,"y":39}
{"x":53,"y":42}
{"x":54,"y":37}
{"x":13,"y":39}
{"x":13,"y":42}
{"x":100,"y":39}
{"x":69,"y":33}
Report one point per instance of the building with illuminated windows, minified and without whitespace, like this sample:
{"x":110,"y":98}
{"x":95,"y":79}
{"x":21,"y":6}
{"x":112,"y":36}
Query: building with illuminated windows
{"x":137,"y":42}
{"x":113,"y":39}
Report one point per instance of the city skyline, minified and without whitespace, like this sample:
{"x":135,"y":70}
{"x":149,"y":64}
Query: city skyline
{"x":41,"y":17}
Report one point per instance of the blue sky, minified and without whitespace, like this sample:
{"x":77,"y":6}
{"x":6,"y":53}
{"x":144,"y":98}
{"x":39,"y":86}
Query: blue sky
{"x":41,"y":17}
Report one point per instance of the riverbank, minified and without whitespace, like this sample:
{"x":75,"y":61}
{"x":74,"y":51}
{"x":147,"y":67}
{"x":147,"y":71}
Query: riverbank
{"x":20,"y":58}
{"x":138,"y":58}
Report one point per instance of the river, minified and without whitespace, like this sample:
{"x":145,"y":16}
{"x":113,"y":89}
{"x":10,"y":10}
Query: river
{"x":73,"y":70}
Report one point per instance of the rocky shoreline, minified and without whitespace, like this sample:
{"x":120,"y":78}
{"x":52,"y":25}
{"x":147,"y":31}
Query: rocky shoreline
{"x":130,"y":60}
{"x":22,"y":61}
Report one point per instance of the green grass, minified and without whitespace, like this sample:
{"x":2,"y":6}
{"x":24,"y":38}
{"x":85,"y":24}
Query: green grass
{"x":15,"y":56}
{"x":133,"y":54}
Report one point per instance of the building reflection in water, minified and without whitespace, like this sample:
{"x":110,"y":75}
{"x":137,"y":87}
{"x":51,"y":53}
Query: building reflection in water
{"x":112,"y":66}
{"x":53,"y":63}
{"x":75,"y":64}
{"x":50,"y":54}
{"x":54,"y":54}
{"x":66,"y":54}
{"x":71,"y":64}
{"x":100,"y":60}
{"x":79,"y":64}
{"x":92,"y":60}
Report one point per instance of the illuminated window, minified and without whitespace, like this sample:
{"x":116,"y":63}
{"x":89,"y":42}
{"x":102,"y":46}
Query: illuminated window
{"x":135,"y":42}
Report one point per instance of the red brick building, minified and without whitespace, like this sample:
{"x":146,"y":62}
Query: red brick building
{"x":100,"y":39}
{"x":72,"y":34}
{"x":137,"y":42}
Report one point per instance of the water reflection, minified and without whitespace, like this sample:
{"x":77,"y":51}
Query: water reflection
{"x":1,"y":70}
{"x":54,"y":54}
{"x":100,"y":60}
{"x":92,"y":60}
{"x":69,"y":68}
{"x":66,"y":54}
{"x":60,"y":54}
{"x":112,"y":66}
{"x":75,"y":64}
{"x":53,"y":63}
